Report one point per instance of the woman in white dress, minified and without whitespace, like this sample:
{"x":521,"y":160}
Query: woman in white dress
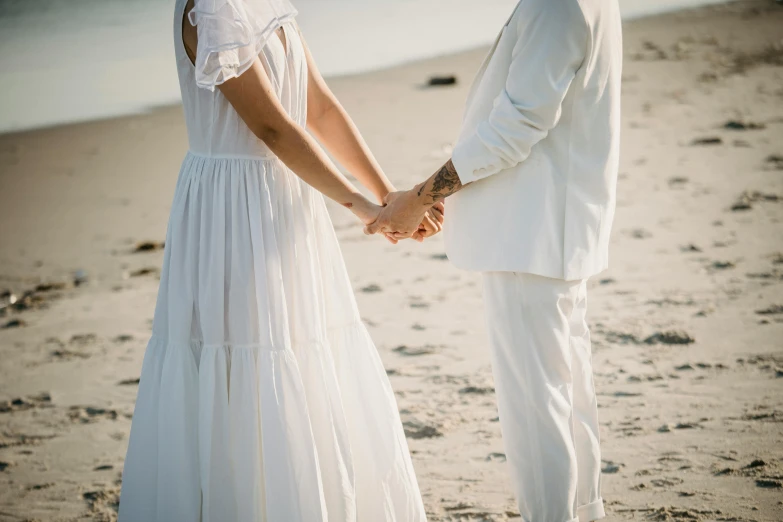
{"x":262,"y":397}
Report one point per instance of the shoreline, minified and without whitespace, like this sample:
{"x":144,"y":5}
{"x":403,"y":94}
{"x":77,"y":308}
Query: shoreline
{"x":650,"y":12}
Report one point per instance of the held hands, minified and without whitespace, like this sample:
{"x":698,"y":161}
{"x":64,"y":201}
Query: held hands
{"x":432,"y":223}
{"x":367,"y":212}
{"x":406,"y":216}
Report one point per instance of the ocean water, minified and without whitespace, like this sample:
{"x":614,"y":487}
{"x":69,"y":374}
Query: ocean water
{"x":73,"y":60}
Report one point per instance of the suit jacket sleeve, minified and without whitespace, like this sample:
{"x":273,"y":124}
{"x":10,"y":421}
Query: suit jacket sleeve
{"x":551,"y":47}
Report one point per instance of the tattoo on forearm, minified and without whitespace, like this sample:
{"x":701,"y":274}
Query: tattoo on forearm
{"x":444,"y":183}
{"x":348,"y":205}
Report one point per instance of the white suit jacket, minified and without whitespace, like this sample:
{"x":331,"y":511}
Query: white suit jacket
{"x":540,"y":142}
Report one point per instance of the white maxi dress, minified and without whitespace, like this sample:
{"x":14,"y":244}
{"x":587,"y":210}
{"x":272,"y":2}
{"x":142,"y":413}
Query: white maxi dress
{"x":262,"y":396}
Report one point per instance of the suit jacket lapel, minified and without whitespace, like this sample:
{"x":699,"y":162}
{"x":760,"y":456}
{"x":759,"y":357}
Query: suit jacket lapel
{"x":485,"y":63}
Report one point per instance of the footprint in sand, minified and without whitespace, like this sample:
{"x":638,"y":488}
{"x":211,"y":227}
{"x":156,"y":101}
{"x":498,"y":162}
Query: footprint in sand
{"x":34,"y":299}
{"x":38,"y":487}
{"x":73,"y":349}
{"x":103,"y":503}
{"x":639,"y":233}
{"x":42,"y":400}
{"x":650,"y":52}
{"x":613,"y":337}
{"x":766,"y":363}
{"x":675,"y":461}
{"x":14,"y":323}
{"x":773,"y":416}
{"x":666,"y":428}
{"x":144,"y":272}
{"x":12,"y":440}
{"x":496,"y":457}
{"x":622,"y":394}
{"x":90,"y":414}
{"x":668,"y":301}
{"x":675,"y":514}
{"x":677,"y":182}
{"x":774,"y":162}
{"x":757,"y":469}
{"x":742,"y":125}
{"x":645,"y":378}
{"x":670,"y":337}
{"x":773,"y":275}
{"x":83,"y":339}
{"x":755,"y":464}
{"x":775,"y":309}
{"x":414,"y":351}
{"x":746,"y":200}
{"x":476,"y":390}
{"x":686,"y":493}
{"x":648,"y":472}
{"x":666,"y":482}
{"x":709,"y":140}
{"x":148,"y":246}
{"x":465,"y":511}
{"x":415,"y":429}
{"x":716,"y":266}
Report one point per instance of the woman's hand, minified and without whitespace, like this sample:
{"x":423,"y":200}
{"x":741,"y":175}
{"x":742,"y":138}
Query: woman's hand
{"x":402,"y":216}
{"x":368,"y":213}
{"x":430,"y":220}
{"x":364,"y":209}
{"x":431,"y":224}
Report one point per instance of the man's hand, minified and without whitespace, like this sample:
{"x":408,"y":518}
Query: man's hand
{"x":405,"y":212}
{"x":402,"y":216}
{"x":436,"y":214}
{"x":429,"y":226}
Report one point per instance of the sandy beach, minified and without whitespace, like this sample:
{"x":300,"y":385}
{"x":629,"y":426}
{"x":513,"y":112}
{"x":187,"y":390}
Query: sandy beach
{"x":687,"y":324}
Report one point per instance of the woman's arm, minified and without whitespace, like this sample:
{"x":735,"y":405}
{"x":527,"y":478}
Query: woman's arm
{"x":331,"y":124}
{"x":253,"y":97}
{"x":333,"y":127}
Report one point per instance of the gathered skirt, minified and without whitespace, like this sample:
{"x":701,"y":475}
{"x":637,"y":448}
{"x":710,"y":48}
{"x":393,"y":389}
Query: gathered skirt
{"x":262,"y":396}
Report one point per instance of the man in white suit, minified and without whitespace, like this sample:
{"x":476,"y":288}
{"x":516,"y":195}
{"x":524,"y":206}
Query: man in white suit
{"x":531,"y":187}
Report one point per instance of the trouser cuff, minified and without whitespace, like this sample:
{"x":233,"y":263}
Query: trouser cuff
{"x":592,"y":511}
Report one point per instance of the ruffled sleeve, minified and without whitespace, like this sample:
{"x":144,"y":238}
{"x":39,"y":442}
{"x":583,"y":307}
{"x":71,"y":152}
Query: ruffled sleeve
{"x":231,"y":34}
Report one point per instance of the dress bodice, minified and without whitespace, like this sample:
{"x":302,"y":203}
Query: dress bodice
{"x":215,"y":129}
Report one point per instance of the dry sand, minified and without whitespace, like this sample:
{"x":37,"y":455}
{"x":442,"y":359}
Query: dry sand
{"x":687,"y":324}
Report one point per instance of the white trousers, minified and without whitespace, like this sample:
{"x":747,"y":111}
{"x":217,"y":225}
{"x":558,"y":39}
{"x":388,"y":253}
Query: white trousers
{"x":541,"y":361}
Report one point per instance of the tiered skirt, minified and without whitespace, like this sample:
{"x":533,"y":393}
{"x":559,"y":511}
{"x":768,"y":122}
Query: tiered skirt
{"x":262,"y":396}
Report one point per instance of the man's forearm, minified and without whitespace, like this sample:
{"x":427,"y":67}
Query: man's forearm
{"x":440,"y":185}
{"x":404,"y":212}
